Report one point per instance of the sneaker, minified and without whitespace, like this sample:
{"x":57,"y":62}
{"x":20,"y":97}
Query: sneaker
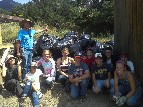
{"x":82,"y":99}
{"x":23,"y":97}
{"x":39,"y":94}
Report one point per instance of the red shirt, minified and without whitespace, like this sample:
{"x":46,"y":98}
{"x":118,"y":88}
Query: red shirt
{"x":88,"y":61}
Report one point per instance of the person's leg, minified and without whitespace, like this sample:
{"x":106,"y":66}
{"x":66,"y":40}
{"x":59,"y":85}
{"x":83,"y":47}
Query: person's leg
{"x":83,"y":85}
{"x":99,"y":85}
{"x":112,"y":87}
{"x":27,"y":88}
{"x":35,"y":99}
{"x":62,"y":79}
{"x":74,"y":94}
{"x":34,"y":88}
{"x":24,"y":55}
{"x":133,"y":101}
{"x":50,"y":81}
{"x":29,"y":60}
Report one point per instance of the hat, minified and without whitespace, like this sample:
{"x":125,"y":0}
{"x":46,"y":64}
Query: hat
{"x":78,"y":54}
{"x":34,"y":64}
{"x":9,"y":56}
{"x":109,"y":48}
{"x":21,"y":23}
{"x":98,"y":55}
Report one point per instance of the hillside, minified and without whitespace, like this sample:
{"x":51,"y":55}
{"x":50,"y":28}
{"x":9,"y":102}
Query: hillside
{"x":9,"y":4}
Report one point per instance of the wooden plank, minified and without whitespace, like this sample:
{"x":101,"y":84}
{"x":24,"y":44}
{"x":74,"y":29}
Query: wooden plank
{"x":9,"y":45}
{"x":2,"y":16}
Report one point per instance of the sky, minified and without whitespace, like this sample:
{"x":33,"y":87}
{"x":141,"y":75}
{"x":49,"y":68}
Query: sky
{"x":22,"y":1}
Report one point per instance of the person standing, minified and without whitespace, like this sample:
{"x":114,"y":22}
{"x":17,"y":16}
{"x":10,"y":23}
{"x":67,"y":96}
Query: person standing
{"x":24,"y":45}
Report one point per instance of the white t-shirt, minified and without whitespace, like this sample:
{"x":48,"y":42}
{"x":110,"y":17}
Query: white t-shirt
{"x":131,"y":66}
{"x":34,"y":77}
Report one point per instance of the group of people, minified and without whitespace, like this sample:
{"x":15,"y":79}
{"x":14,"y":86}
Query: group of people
{"x":97,"y":71}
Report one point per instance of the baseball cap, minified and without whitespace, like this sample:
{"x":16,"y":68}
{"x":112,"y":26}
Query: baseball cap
{"x":34,"y":64}
{"x":98,"y":55}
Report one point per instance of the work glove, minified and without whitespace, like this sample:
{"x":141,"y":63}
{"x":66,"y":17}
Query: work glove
{"x":121,"y":100}
{"x":116,"y":96}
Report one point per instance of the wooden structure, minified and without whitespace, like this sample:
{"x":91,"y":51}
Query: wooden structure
{"x":4,"y":19}
{"x":7,"y":18}
{"x":129,"y":31}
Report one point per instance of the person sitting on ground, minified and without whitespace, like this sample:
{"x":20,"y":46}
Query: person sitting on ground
{"x":110,"y":59}
{"x":89,"y":60}
{"x":32,"y":84}
{"x":126,"y":88}
{"x":101,"y":74}
{"x":48,"y":65}
{"x":79,"y":77}
{"x":130,"y":66}
{"x":11,"y":72}
{"x":63,"y":63}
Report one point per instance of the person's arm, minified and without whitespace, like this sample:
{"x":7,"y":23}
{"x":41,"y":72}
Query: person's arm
{"x":132,"y":85}
{"x":74,"y":80}
{"x":94,"y":80}
{"x":58,"y":65}
{"x":18,"y":46}
{"x":53,"y":68}
{"x":4,"y":69}
{"x":39,"y":31}
{"x":19,"y":70}
{"x":115,"y":81}
{"x":85,"y":75}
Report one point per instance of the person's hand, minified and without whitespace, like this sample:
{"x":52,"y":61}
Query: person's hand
{"x":107,"y":83}
{"x":77,"y":80}
{"x":116,"y":96}
{"x":95,"y":89}
{"x":46,"y":75}
{"x":18,"y":54}
{"x":46,"y":29}
{"x":121,"y":100}
{"x":19,"y":62}
{"x":1,"y":65}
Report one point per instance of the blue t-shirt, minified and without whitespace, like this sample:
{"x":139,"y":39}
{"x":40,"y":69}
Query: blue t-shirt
{"x":101,"y":73}
{"x":26,"y":38}
{"x":77,"y":71}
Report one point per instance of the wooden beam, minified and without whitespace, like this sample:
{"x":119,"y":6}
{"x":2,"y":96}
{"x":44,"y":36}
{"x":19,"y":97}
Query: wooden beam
{"x":7,"y":17}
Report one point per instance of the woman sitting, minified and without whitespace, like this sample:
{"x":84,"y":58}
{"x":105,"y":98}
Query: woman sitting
{"x":11,"y":72}
{"x":48,"y":65}
{"x":126,"y":89}
{"x":63,"y":63}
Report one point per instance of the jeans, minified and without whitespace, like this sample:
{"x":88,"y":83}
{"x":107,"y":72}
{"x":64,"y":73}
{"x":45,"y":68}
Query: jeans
{"x":100,"y":84}
{"x":26,"y":60}
{"x":28,"y":90}
{"x":80,"y":90}
{"x":64,"y":81}
{"x":133,"y":100}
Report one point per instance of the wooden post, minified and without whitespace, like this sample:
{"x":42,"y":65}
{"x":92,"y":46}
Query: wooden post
{"x":0,"y":35}
{"x":1,"y":80}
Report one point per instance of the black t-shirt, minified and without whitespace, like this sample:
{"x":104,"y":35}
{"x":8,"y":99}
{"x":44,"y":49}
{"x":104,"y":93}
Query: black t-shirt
{"x":101,"y":73}
{"x":11,"y":73}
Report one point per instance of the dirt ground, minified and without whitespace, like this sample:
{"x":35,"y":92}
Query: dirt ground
{"x":58,"y":98}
